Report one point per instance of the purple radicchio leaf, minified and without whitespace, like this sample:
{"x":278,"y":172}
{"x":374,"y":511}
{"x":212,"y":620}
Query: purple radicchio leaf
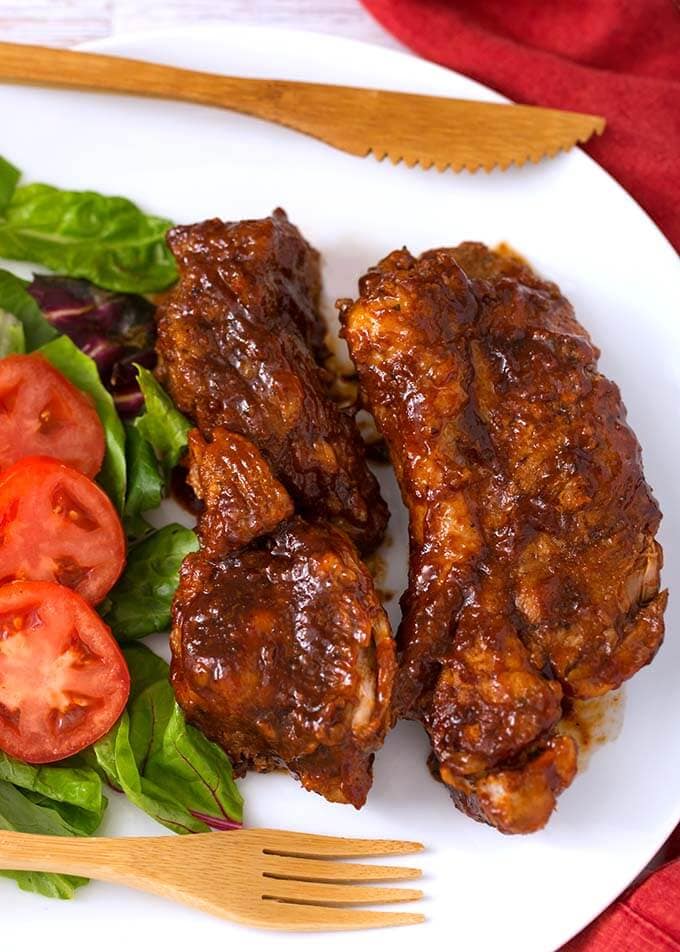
{"x":115,"y":330}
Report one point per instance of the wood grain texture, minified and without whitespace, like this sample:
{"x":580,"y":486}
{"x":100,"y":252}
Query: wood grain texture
{"x":440,"y":132}
{"x":68,"y":22}
{"x":62,"y":23}
{"x":268,"y":878}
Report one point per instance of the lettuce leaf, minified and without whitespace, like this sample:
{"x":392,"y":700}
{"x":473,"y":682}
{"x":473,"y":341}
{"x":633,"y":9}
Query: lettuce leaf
{"x":75,"y":792}
{"x":15,"y":299}
{"x":55,"y":800}
{"x":145,"y":483}
{"x":164,"y":766}
{"x":9,"y":179}
{"x":161,"y":424}
{"x":141,"y":601}
{"x":105,"y":239}
{"x":12,"y":337}
{"x":81,"y":370}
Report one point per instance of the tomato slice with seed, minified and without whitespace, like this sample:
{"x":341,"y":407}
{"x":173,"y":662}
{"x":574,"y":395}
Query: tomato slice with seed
{"x":63,"y":679}
{"x":56,"y":525}
{"x":43,"y":414}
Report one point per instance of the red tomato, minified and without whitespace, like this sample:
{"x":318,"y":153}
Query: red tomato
{"x":63,"y":679}
{"x":43,"y":414}
{"x":56,"y":525}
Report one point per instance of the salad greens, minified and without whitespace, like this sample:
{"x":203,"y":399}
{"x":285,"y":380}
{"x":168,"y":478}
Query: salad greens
{"x":75,"y":792}
{"x":146,"y":483}
{"x":81,"y":370}
{"x":18,"y":812}
{"x":54,"y":800}
{"x":9,"y":179}
{"x":12,"y":337}
{"x":15,"y":300}
{"x":161,"y":424}
{"x":140,"y":602}
{"x":105,"y":239}
{"x":150,"y":447}
{"x":102,"y":341}
{"x":115,"y":330}
{"x":163,"y":765}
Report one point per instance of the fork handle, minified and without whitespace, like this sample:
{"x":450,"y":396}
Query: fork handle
{"x":102,"y":858}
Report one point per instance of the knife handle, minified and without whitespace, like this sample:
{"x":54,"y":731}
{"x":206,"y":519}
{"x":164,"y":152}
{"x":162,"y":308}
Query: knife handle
{"x":430,"y":130}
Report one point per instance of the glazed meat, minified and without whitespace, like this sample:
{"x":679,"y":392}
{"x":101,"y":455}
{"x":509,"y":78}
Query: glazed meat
{"x":282,"y":652}
{"x":241,"y":497}
{"x":239,"y":344}
{"x":534,"y":572}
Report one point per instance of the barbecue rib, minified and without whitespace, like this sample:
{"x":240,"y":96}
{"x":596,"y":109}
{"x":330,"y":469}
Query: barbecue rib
{"x":534,"y":571}
{"x":282,"y":652}
{"x":239,"y":345}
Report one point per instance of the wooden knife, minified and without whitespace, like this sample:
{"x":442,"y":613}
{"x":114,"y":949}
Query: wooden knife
{"x":415,"y":129}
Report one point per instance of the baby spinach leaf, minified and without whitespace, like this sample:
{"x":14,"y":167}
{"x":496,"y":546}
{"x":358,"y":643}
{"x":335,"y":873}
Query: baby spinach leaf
{"x":15,"y":299}
{"x":191,"y":768}
{"x":140,"y":602}
{"x":9,"y":179}
{"x":161,"y":424}
{"x":12,"y":338}
{"x":165,"y":767}
{"x":55,"y":800}
{"x":19,"y":813}
{"x":145,"y":483}
{"x":81,"y":370}
{"x":74,"y":792}
{"x":105,"y":239}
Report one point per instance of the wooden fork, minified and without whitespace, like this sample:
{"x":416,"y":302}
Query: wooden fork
{"x":429,"y":130}
{"x":267,"y":878}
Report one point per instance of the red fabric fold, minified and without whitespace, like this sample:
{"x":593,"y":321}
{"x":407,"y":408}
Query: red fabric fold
{"x":615,"y":58}
{"x":647,"y":919}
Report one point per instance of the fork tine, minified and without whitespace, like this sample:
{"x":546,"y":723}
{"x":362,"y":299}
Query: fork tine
{"x":329,"y":894}
{"x":314,"y":870}
{"x":283,"y":843}
{"x":299,"y":918}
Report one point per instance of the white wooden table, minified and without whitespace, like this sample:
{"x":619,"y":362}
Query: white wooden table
{"x":67,"y":22}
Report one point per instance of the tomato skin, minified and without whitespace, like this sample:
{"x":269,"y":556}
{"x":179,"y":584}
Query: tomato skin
{"x":63,"y":678}
{"x":56,"y":525}
{"x":43,"y":414}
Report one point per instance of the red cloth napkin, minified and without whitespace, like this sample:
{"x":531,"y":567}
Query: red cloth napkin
{"x":619,"y":59}
{"x":616,"y":58}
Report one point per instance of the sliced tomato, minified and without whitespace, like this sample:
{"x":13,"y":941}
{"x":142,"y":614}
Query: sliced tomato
{"x":63,"y":679}
{"x":43,"y":414}
{"x":56,"y":525}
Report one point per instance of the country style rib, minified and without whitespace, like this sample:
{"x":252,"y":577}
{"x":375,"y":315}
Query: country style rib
{"x":534,"y":571}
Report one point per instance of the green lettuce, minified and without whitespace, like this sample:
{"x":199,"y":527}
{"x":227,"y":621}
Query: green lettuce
{"x":9,"y":179}
{"x":54,"y":800}
{"x":12,"y":337}
{"x":82,"y":371}
{"x":161,"y":424}
{"x":15,"y":300}
{"x":145,"y":483}
{"x":163,"y":765}
{"x":141,"y":601}
{"x":105,"y":239}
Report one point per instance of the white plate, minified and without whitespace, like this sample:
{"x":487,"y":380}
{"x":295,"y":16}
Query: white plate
{"x":485,"y":891}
